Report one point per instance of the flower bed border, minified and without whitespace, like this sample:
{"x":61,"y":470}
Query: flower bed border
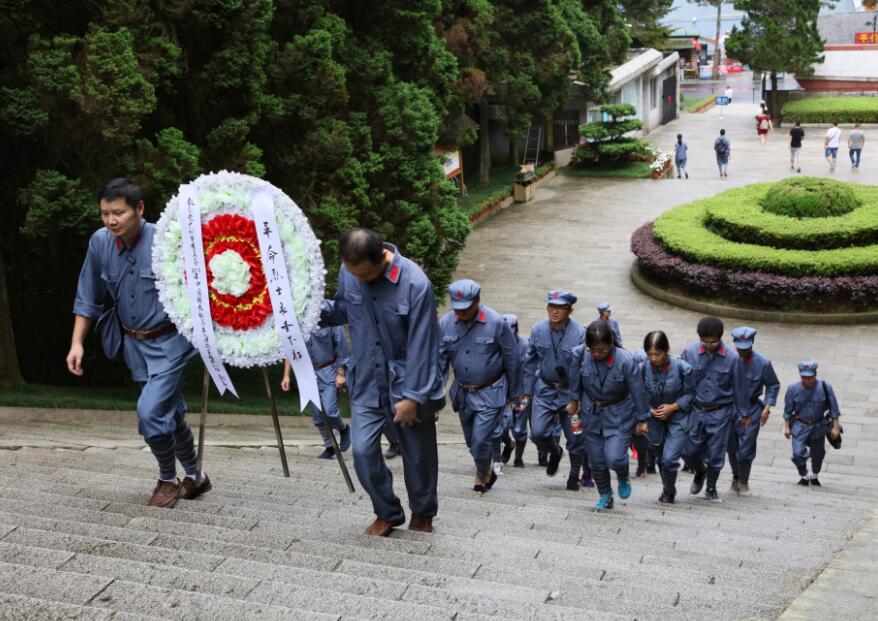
{"x":506,"y":200}
{"x":726,"y":288}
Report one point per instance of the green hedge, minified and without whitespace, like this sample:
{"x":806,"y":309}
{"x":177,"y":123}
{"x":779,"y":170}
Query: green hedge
{"x":737,"y":216}
{"x":683,"y":231}
{"x":809,"y":197}
{"x":829,"y":109}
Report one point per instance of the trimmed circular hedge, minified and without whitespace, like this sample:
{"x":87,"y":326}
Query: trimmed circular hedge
{"x":809,"y":197}
{"x":756,"y":289}
{"x":737,"y":216}
{"x":684,"y":231}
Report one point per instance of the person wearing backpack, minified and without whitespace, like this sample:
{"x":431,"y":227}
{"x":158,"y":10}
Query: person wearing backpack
{"x":763,"y":124}
{"x":723,"y":149}
{"x":804,"y":422}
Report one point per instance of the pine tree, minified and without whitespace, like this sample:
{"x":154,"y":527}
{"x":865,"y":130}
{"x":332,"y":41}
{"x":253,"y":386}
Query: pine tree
{"x":777,"y":36}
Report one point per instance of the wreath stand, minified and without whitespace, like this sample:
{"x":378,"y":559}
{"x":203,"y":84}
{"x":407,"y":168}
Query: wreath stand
{"x":205,"y":390}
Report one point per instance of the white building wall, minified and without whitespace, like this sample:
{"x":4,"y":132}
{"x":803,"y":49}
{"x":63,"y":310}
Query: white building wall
{"x":854,"y":64}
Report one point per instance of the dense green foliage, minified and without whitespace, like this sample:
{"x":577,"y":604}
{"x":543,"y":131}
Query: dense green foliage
{"x":608,"y":141}
{"x":645,"y":18}
{"x":829,"y":109}
{"x":738,"y":216}
{"x":809,"y":197}
{"x":778,"y":35}
{"x":684,"y":231}
{"x":340,"y":103}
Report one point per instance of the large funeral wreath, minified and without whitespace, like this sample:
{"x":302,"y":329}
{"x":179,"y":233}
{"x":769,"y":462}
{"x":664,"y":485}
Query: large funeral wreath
{"x":240,"y":305}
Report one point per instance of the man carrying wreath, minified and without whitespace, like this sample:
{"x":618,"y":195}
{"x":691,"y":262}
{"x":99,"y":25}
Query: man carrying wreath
{"x":393,"y":372}
{"x":118,"y":263}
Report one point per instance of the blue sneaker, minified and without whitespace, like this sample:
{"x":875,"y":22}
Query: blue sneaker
{"x":604,"y":502}
{"x":344,"y":442}
{"x":624,"y":487}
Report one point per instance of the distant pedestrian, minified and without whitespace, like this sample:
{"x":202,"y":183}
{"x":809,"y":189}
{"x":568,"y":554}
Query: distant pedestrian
{"x":681,"y":154}
{"x":796,"y":136}
{"x":605,"y":313}
{"x":729,"y":92}
{"x":830,"y":144}
{"x":723,"y":149}
{"x":856,"y":140}
{"x":763,"y":124}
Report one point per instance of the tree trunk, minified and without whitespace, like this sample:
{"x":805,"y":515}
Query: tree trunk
{"x":719,"y":12}
{"x":774,"y":110}
{"x":10,"y":374}
{"x":484,"y":143}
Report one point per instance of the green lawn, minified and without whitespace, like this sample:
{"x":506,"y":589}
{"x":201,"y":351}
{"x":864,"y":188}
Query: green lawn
{"x":500,"y":182}
{"x":627,"y":170}
{"x":248,"y":383}
{"x":691,"y":104}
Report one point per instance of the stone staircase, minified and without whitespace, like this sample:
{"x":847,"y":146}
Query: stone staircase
{"x":78,"y":542}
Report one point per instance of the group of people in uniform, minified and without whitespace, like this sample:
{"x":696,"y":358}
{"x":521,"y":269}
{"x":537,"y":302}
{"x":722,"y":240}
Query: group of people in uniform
{"x":566,"y":380}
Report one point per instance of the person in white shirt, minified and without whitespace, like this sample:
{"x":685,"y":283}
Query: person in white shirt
{"x":830,"y":144}
{"x":729,"y":92}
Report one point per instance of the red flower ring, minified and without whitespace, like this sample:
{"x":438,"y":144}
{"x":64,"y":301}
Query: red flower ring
{"x":237,"y":233}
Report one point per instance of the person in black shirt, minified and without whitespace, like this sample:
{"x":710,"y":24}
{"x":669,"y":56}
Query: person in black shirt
{"x":796,"y":136}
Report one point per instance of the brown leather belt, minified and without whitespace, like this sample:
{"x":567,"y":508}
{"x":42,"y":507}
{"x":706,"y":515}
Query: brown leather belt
{"x":477,"y":387}
{"x":808,"y":422}
{"x":323,"y":365}
{"x":609,"y":402}
{"x":710,"y":407}
{"x":145,"y":335}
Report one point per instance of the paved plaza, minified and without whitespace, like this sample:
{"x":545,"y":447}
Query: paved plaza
{"x":78,"y":542}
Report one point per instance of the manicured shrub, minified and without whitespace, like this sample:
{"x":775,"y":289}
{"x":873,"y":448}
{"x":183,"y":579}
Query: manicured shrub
{"x":753,"y":288}
{"x":737,"y":216}
{"x":829,"y":109}
{"x":683,"y":231}
{"x":607,"y":141}
{"x":809,"y":197}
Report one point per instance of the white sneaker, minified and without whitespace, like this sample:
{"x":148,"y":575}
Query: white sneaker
{"x":498,"y":468}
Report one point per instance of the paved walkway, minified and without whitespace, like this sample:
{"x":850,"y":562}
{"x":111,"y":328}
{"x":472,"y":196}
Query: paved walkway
{"x":77,"y":542}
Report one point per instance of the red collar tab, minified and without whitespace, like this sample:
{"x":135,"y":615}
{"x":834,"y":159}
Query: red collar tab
{"x":807,"y":387}
{"x":392,"y":273}
{"x":120,"y":245}
{"x":721,"y":351}
{"x":482,"y":316}
{"x":608,"y":360}
{"x":664,"y":367}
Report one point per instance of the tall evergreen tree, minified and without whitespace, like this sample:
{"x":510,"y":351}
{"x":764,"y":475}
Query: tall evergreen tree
{"x":645,"y":18}
{"x":777,"y":36}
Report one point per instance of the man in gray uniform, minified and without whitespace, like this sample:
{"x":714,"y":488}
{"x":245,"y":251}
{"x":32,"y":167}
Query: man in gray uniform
{"x":547,"y":377}
{"x":479,"y":345}
{"x":804,"y":420}
{"x":119,"y":263}
{"x":394,"y":371}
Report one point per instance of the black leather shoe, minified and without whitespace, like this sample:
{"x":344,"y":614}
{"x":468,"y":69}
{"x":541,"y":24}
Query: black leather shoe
{"x":666,"y":498}
{"x":507,"y":451}
{"x":554,"y":461}
{"x":541,"y":458}
{"x":328,"y":453}
{"x":573,"y":484}
{"x":394,"y":450}
{"x":815,"y":482}
{"x":804,"y":482}
{"x":697,"y":483}
{"x":492,"y":480}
